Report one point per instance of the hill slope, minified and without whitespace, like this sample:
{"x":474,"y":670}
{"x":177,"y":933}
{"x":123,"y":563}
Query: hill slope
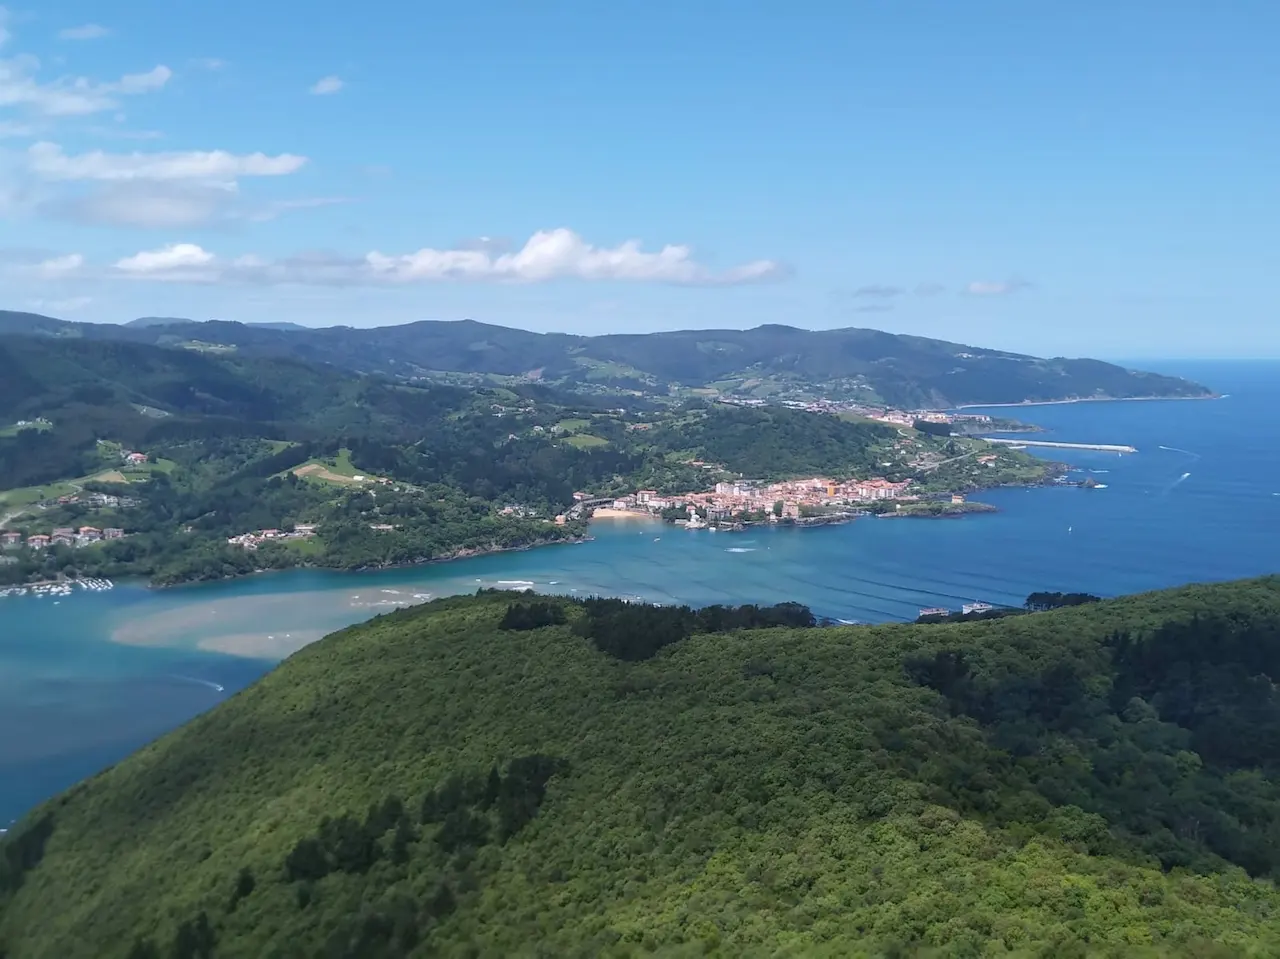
{"x":907,"y":371}
{"x":431,"y":783}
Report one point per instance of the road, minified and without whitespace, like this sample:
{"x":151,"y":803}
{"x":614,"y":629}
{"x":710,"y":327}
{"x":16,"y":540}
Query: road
{"x":954,"y":459}
{"x":8,"y":517}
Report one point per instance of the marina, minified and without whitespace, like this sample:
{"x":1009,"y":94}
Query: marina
{"x":60,"y":588}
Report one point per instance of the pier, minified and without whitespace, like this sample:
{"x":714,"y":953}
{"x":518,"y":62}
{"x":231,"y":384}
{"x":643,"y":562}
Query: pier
{"x":1105,"y":447}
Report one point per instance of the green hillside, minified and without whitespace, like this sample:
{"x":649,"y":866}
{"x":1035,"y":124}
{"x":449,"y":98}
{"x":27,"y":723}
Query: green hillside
{"x":602,"y":779}
{"x":770,"y":360}
{"x":237,"y":443}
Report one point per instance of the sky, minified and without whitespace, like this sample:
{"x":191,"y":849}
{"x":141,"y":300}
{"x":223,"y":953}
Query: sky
{"x":1086,"y":178}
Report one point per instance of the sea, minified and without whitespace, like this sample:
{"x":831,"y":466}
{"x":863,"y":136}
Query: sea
{"x":86,"y":679}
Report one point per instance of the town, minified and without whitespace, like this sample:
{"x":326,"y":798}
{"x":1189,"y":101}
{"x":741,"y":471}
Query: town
{"x":816,"y":499}
{"x":880,"y":414}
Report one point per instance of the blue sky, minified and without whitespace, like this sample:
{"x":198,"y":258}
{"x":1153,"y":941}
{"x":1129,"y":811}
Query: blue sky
{"x":1085,"y":178}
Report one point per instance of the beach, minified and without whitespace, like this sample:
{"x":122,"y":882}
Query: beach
{"x":609,"y":512}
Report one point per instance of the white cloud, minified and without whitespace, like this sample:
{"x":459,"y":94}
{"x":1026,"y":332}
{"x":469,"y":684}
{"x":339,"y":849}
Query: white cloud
{"x":70,"y":96}
{"x":88,"y":31}
{"x":132,"y":83}
{"x":548,"y":255}
{"x":8,"y":129}
{"x":212,"y":64}
{"x":175,"y":261}
{"x":995,"y":288}
{"x":48,"y":161}
{"x":59,"y":267}
{"x":559,"y":254}
{"x":163,"y":205}
{"x":327,"y":85}
{"x":174,"y":204}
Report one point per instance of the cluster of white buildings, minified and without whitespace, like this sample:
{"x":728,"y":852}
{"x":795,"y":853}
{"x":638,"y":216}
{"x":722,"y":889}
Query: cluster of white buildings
{"x":968,"y":609}
{"x":255,"y":539}
{"x":63,"y":536}
{"x":881,"y":414}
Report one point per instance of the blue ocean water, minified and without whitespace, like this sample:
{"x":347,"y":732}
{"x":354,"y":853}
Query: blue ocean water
{"x":86,"y":681}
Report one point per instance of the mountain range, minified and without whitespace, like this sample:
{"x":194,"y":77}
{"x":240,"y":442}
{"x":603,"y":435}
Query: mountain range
{"x":767,"y":362}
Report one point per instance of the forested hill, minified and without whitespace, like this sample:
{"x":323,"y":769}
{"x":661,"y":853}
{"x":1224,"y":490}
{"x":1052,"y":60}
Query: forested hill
{"x":773,"y":360}
{"x":501,"y":775}
{"x":382,"y":472}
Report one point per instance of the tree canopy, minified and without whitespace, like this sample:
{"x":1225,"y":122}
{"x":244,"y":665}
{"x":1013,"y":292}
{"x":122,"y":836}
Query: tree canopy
{"x":459,"y":778}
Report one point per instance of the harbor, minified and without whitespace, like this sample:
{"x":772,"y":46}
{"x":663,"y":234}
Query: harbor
{"x":63,"y":587}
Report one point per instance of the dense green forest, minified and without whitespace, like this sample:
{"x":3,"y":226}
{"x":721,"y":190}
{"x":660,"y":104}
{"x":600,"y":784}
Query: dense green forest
{"x":229,"y":439}
{"x":908,"y":371}
{"x":492,"y":775}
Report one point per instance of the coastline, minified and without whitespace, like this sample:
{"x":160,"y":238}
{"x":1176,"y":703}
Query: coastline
{"x":1081,"y":399}
{"x":464,"y":553}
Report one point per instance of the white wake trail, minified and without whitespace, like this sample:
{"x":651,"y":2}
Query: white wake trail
{"x":217,"y":688}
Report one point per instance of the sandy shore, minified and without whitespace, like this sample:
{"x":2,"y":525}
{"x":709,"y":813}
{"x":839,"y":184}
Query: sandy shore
{"x":608,"y":512}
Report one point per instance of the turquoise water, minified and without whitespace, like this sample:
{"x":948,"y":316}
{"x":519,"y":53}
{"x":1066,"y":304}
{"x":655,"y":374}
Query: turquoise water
{"x":87,"y":680}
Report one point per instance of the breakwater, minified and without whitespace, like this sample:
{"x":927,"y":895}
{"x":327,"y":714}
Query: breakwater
{"x":1105,"y":447}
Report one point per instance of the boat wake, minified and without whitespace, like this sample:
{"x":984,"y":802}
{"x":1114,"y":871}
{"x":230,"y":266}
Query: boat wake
{"x":216,"y":687}
{"x":740,"y":549}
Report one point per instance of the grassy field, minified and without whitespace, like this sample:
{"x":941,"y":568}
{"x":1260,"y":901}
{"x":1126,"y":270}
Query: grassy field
{"x":339,"y":470}
{"x":27,"y":495}
{"x":608,"y":370}
{"x":306,"y":547}
{"x":140,"y":473}
{"x":584,"y":441}
{"x":855,"y":418}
